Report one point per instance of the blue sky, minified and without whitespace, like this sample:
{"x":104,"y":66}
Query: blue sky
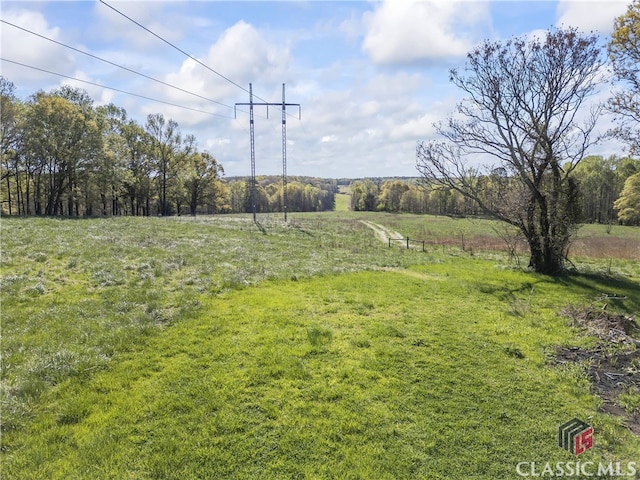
{"x":371,"y":77}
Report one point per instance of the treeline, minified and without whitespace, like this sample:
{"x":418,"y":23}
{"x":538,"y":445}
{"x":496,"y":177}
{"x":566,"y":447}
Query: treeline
{"x":600,"y":183}
{"x":304,"y":194}
{"x":61,"y":155}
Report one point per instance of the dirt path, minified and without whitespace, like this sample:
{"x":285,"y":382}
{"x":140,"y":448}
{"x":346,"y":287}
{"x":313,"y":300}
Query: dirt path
{"x":383,"y":233}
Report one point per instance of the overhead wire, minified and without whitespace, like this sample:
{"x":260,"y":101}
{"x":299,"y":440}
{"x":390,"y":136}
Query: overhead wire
{"x":184,"y":53}
{"x":139,"y":73}
{"x":114,"y":89}
{"x":116,"y":65}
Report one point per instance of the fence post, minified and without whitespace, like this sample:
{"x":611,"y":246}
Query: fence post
{"x":407,"y":243}
{"x":389,"y":243}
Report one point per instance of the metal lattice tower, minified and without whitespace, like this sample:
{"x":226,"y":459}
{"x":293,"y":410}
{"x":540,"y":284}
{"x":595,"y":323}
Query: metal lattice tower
{"x":253,"y":154}
{"x":284,"y":156}
{"x":283,"y":106}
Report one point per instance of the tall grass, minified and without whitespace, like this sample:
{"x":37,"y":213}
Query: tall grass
{"x":93,"y":309}
{"x":424,"y":373}
{"x":75,"y":293}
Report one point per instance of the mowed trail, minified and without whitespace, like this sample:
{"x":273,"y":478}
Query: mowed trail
{"x":382,"y":232}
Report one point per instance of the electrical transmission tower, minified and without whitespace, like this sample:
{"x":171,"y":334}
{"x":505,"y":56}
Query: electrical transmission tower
{"x":283,"y":105}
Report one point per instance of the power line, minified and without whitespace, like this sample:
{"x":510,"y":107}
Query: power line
{"x":116,"y":65}
{"x":180,"y":50}
{"x":112,"y":88}
{"x":283,"y":104}
{"x":172,"y":45}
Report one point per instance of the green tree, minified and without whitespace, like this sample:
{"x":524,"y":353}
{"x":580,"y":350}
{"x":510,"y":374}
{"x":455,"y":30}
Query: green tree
{"x":89,"y":138}
{"x":390,"y":196}
{"x":628,"y":204}
{"x":295,"y":196}
{"x":133,"y":148}
{"x":105,"y":184}
{"x":364,"y":196}
{"x":262,"y":200}
{"x":60,"y":155}
{"x":596,"y":177}
{"x":440,"y":200}
{"x":10,"y":115}
{"x":202,"y":172}
{"x":415,"y":200}
{"x":219,"y":198}
{"x":63,"y":136}
{"x":168,"y":150}
{"x":525,"y":98}
{"x":624,"y":52}
{"x":239,"y":196}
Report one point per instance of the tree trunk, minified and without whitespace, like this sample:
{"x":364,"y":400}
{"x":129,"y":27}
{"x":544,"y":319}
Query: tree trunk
{"x":19,"y":194}
{"x":9,"y":192}
{"x":193,"y":203}
{"x":545,"y":246}
{"x":37,"y":205}
{"x":163,"y":200}
{"x":545,"y":258}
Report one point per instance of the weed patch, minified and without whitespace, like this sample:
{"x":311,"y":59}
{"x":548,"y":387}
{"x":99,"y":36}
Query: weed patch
{"x":319,"y":336}
{"x":613,"y":364}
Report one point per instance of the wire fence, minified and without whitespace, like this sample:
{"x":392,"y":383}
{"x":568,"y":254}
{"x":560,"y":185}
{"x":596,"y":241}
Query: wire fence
{"x":408,"y":242}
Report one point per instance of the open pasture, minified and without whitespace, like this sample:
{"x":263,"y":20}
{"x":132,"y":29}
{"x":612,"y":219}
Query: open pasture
{"x":215,"y":348}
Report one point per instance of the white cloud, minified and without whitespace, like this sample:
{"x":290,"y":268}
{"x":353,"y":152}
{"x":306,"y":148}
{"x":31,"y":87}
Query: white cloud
{"x":370,"y":84}
{"x":28,"y":49}
{"x":113,"y":26}
{"x":244,"y":54}
{"x":100,"y":96}
{"x":407,"y":31}
{"x":414,"y":129}
{"x":590,"y":15}
{"x":368,"y":128}
{"x":241,"y":54}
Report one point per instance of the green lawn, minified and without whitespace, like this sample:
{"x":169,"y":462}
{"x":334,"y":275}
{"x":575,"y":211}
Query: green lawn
{"x":209,"y":348}
{"x":343,"y":202}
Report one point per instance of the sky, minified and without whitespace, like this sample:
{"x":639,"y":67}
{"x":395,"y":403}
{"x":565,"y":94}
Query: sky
{"x":371,"y":77}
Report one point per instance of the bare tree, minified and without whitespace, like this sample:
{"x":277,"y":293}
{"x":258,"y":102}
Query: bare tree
{"x":524,"y":118}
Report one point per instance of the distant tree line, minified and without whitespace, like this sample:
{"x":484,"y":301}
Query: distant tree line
{"x":61,"y":155}
{"x":607,"y":193}
{"x":304,"y":194}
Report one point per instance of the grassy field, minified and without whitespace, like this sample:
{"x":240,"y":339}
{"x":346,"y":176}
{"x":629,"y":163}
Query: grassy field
{"x":343,"y":199}
{"x":214,"y":348}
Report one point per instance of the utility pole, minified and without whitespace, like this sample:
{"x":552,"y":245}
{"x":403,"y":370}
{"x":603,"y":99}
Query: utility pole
{"x":284,"y":156}
{"x":283,"y":106}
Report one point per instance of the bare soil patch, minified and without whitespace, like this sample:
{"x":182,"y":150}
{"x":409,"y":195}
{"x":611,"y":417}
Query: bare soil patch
{"x":614,"y":363}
